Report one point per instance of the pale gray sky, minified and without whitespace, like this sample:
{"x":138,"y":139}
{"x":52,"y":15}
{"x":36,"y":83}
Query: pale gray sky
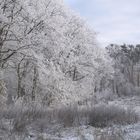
{"x":115,"y":21}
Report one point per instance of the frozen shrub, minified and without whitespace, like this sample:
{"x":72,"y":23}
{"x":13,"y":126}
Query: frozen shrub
{"x":23,"y":116}
{"x":127,"y":90}
{"x":137,"y":90}
{"x":10,"y":113}
{"x":40,"y":119}
{"x":105,"y":115}
{"x":19,"y":124}
{"x":68,"y":116}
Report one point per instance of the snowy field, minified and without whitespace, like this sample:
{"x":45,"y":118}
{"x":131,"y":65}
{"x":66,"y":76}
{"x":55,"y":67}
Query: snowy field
{"x":42,"y":130}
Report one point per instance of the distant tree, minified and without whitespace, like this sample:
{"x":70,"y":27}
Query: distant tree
{"x":126,"y":64}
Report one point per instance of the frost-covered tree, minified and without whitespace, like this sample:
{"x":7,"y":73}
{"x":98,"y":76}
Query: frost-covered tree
{"x":126,"y":65}
{"x":51,"y":54}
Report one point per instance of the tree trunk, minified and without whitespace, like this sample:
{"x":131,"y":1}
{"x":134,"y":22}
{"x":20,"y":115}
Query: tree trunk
{"x":34,"y":84}
{"x":138,"y":79}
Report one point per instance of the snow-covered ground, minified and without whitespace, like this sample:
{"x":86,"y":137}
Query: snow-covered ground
{"x":130,"y":132}
{"x":59,"y":132}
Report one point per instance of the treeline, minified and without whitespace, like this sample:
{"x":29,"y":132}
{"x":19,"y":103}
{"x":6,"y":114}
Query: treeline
{"x":126,"y":64}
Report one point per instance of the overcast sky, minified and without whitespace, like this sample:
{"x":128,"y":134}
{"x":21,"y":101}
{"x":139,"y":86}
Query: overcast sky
{"x":115,"y":21}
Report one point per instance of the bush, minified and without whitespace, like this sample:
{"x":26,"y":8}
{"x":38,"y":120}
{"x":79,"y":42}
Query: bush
{"x":102,"y":115}
{"x":105,"y":115}
{"x":127,"y":89}
{"x":22,"y":116}
{"x":67,"y":116}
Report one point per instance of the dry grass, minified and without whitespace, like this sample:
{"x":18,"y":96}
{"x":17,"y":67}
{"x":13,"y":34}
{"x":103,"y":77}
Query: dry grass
{"x":105,"y":115}
{"x":97,"y":116}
